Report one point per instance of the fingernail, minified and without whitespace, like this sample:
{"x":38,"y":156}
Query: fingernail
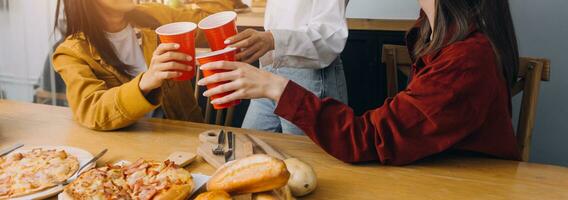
{"x":176,"y":46}
{"x":227,"y":41}
{"x":215,"y":101}
{"x":189,"y":58}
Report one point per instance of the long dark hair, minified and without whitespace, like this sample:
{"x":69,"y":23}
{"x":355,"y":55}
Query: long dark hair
{"x":454,"y":21}
{"x":82,"y":17}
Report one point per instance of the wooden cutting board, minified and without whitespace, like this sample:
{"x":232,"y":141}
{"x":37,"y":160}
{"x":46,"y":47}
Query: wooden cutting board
{"x":243,"y":147}
{"x":247,"y":145}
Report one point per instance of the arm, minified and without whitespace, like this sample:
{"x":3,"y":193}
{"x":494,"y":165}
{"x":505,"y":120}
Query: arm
{"x":93,"y":104}
{"x":431,"y":116}
{"x":99,"y":107}
{"x":316,"y":47}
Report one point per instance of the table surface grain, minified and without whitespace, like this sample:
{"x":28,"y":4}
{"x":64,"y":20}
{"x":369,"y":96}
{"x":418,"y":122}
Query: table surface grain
{"x":448,"y":177}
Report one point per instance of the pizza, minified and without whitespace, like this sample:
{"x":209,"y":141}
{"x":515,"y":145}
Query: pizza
{"x":142,"y":180}
{"x":34,"y":171}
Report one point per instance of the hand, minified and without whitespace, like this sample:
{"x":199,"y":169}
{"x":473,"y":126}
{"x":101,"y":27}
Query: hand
{"x":165,"y":65}
{"x":247,"y":82}
{"x":254,"y":44}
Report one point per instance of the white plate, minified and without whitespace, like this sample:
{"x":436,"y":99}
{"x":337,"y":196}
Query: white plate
{"x":199,"y":180}
{"x":82,"y":155}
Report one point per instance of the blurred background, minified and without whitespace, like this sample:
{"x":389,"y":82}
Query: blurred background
{"x":27,"y":38}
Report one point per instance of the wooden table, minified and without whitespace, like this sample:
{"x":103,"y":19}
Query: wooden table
{"x":440,"y":178}
{"x":255,"y":19}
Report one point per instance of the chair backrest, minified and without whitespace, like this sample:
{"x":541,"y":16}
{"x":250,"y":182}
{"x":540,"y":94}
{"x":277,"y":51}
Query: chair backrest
{"x":208,"y":113}
{"x":395,"y":57}
{"x":531,"y":72}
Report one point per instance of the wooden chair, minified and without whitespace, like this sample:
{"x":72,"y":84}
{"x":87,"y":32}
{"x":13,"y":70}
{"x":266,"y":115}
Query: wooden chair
{"x":396,"y":58}
{"x":531,"y":72}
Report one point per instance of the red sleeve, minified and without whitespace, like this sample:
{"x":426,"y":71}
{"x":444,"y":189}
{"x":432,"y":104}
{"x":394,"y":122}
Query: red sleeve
{"x":438,"y":109}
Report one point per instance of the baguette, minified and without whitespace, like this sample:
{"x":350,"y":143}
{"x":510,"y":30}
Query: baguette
{"x":214,"y":195}
{"x":257,"y":173}
{"x":282,"y":193}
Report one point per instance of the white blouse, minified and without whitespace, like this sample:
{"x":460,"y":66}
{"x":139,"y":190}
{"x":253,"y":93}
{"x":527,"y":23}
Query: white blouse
{"x":307,"y":33}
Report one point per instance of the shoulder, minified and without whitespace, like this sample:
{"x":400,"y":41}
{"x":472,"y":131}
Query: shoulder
{"x":160,"y":12}
{"x":73,"y":44}
{"x":474,"y":51}
{"x":74,"y":49}
{"x":149,"y":7}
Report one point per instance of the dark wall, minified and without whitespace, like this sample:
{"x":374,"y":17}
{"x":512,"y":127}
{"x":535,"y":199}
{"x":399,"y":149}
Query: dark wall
{"x":364,"y":71}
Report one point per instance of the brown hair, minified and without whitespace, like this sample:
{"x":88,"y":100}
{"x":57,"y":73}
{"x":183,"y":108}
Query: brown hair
{"x":83,"y":18}
{"x":454,"y":21}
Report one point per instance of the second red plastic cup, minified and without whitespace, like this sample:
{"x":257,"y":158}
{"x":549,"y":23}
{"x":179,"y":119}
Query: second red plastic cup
{"x":227,"y":54}
{"x":182,"y":33}
{"x":218,"y":27}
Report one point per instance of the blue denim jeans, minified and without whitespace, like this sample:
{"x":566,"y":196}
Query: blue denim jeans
{"x":327,"y":82}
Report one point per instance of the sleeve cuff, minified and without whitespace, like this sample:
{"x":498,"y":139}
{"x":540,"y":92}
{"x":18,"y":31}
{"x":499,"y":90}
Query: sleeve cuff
{"x":290,"y":101}
{"x":131,"y":102}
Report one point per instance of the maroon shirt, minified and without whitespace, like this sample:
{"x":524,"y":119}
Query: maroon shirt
{"x":457,"y":99}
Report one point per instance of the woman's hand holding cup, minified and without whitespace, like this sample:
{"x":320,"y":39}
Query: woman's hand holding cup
{"x":254,"y":44}
{"x":247,"y":82}
{"x":166,"y":64}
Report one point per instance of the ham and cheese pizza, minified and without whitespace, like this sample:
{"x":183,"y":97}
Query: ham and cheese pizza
{"x":142,"y":180}
{"x":34,"y":171}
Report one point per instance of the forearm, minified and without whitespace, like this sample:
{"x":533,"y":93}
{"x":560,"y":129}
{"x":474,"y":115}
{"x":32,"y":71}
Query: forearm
{"x":330,"y":124}
{"x":110,"y":109}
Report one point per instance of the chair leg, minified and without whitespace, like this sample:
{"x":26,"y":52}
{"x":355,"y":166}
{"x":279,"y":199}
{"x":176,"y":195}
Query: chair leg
{"x":219,"y":117}
{"x":229,"y":116}
{"x":208,"y":110}
{"x":197,"y":77}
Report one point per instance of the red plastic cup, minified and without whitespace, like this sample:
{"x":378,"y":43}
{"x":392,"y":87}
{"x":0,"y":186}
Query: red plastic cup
{"x":227,"y":54}
{"x":182,"y":33}
{"x":218,"y":27}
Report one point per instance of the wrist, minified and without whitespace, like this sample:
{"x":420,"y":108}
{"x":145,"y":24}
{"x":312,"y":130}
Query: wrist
{"x":278,"y":86}
{"x":270,"y":38}
{"x":143,"y":85}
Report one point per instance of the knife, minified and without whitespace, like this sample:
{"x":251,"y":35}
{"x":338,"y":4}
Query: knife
{"x":9,"y":150}
{"x":230,"y":154}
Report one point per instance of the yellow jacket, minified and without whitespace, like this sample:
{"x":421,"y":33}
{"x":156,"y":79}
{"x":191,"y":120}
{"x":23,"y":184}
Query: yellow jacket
{"x":103,"y":98}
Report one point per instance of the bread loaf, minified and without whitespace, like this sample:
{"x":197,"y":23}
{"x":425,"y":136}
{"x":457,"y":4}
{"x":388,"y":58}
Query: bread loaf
{"x":214,"y":195}
{"x":257,"y":173}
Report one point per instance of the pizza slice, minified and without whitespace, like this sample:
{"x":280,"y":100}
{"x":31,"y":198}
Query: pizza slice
{"x":30,"y":172}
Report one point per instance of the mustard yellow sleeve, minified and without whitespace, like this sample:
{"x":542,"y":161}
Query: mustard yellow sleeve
{"x":94,"y":105}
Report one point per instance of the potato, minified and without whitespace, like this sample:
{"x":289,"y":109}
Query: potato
{"x":303,"y":179}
